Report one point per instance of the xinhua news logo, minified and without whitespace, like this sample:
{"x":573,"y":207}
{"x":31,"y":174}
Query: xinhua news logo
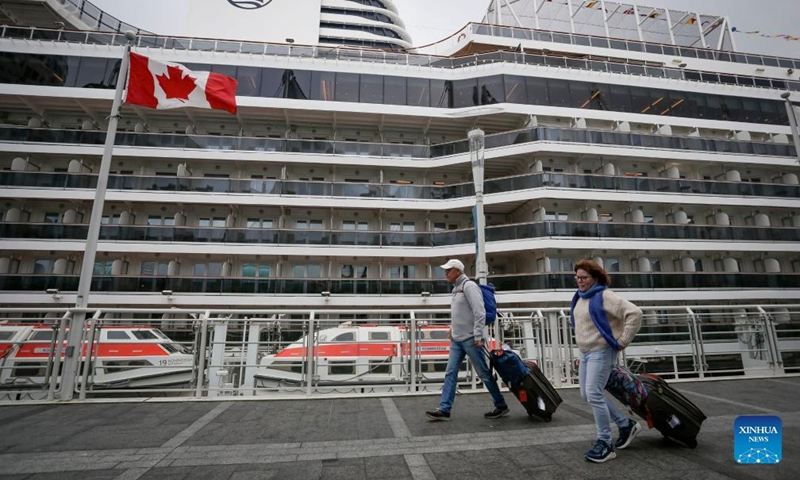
{"x":757,"y":439}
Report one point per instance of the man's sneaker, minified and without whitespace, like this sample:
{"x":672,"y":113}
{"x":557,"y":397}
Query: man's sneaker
{"x":601,"y":452}
{"x":626,"y":434}
{"x":438,"y":414}
{"x":496,"y":413}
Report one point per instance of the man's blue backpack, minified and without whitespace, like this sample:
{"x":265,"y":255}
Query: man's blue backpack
{"x":489,"y":302}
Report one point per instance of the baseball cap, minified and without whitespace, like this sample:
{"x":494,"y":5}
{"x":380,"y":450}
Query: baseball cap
{"x":453,"y":263}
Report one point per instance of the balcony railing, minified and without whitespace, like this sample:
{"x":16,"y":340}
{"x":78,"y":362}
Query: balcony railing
{"x":383,"y":191}
{"x":505,"y":283}
{"x":329,"y":147}
{"x":591,"y":62}
{"x":534,"y":230}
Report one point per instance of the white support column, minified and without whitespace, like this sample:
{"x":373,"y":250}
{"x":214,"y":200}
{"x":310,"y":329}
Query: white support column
{"x":698,"y":22}
{"x":669,"y":27}
{"x":605,"y":18}
{"x":477,"y":158}
{"x":638,"y":23}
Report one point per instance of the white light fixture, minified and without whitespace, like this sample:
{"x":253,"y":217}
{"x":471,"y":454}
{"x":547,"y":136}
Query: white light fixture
{"x":166,"y":292}
{"x":325,"y":293}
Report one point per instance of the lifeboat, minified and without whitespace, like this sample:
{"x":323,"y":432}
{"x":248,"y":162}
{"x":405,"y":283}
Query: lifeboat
{"x":354,"y":355}
{"x":122,"y":357}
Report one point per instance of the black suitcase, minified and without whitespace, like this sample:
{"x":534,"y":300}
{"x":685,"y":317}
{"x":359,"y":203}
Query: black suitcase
{"x":672,"y":414}
{"x":536,"y":393}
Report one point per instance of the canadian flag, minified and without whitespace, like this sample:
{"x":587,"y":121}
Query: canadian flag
{"x":171,"y":85}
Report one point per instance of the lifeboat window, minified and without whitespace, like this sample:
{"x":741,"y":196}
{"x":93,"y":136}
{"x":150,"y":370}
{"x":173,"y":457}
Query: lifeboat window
{"x":42,"y":335}
{"x":29,"y":369}
{"x":380,"y":366}
{"x":295,"y":367}
{"x":117,"y":335}
{"x":6,"y":335}
{"x":342,"y":368}
{"x":345,"y":337}
{"x":123,"y":365}
{"x":435,"y":334}
{"x":144,"y":335}
{"x":379,"y":335}
{"x":173,"y":347}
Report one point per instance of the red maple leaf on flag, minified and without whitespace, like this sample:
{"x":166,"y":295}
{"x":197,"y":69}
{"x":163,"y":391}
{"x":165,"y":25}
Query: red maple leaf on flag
{"x":175,"y":85}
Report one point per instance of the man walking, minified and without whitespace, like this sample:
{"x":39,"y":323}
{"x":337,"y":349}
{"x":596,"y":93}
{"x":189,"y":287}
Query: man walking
{"x":467,"y":322}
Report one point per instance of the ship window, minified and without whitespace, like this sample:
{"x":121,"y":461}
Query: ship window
{"x":346,"y":87}
{"x":123,"y":365}
{"x":379,"y":335}
{"x":210,"y":269}
{"x":355,"y":225}
{"x":259,"y":223}
{"x":345,"y":337}
{"x":42,"y":335}
{"x":117,"y":335}
{"x":43,"y":266}
{"x":155,"y":268}
{"x":29,"y":369}
{"x":435,"y":334}
{"x":51,"y":217}
{"x":380,"y":366}
{"x":173,"y":347}
{"x":103,"y":268}
{"x":255,"y":270}
{"x":6,"y":335}
{"x":218,"y":222}
{"x":295,"y":367}
{"x":342,"y":368}
{"x":144,"y":335}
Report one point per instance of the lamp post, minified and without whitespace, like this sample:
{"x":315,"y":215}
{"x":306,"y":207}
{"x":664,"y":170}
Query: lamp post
{"x":74,"y":350}
{"x":792,"y":123}
{"x":477,"y":158}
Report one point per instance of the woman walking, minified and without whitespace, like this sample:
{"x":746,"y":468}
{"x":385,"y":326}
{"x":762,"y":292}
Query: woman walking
{"x":604,"y":324}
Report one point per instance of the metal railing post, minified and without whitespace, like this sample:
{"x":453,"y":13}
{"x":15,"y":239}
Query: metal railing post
{"x":87,"y":359}
{"x":412,"y":350}
{"x":201,"y":355}
{"x":55,"y":355}
{"x":310,"y":354}
{"x":776,"y":362}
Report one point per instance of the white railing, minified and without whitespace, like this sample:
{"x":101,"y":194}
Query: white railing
{"x":231,"y":353}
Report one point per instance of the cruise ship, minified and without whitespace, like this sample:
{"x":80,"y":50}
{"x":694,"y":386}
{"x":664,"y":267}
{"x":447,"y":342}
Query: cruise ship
{"x":633,"y":135}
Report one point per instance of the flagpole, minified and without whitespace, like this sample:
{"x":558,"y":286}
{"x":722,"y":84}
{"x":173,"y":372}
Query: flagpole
{"x":74,"y":348}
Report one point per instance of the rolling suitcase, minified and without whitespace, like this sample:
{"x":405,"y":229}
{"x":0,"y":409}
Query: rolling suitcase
{"x":674,"y":415}
{"x":526,"y":382}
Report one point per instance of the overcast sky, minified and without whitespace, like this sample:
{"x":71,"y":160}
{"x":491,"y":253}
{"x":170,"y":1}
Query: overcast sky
{"x":431,"y":20}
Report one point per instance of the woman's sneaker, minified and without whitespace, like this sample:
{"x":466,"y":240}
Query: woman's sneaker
{"x":626,"y":434}
{"x":601,"y":452}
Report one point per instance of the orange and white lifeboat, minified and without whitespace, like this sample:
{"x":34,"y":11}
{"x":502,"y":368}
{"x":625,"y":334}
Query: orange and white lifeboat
{"x":122,"y":357}
{"x":360,"y":355}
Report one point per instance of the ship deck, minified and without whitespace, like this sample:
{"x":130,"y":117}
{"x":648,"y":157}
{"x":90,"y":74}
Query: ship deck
{"x":386,"y":438}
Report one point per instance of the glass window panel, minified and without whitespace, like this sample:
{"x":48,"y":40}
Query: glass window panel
{"x":419,"y":92}
{"x":249,"y":79}
{"x":559,"y":92}
{"x":640,"y":100}
{"x":515,"y":89}
{"x":537,"y":91}
{"x":43,"y":266}
{"x":271,"y":83}
{"x":395,"y":91}
{"x":249,"y":270}
{"x":621,"y":98}
{"x":346,"y":87}
{"x":465,"y":93}
{"x":491,"y":89}
{"x":371,"y":90}
{"x":322,"y":86}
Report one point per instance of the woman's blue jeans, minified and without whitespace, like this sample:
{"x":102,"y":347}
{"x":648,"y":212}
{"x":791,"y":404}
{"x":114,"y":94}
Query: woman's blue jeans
{"x":459,"y":350}
{"x":593,"y":373}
